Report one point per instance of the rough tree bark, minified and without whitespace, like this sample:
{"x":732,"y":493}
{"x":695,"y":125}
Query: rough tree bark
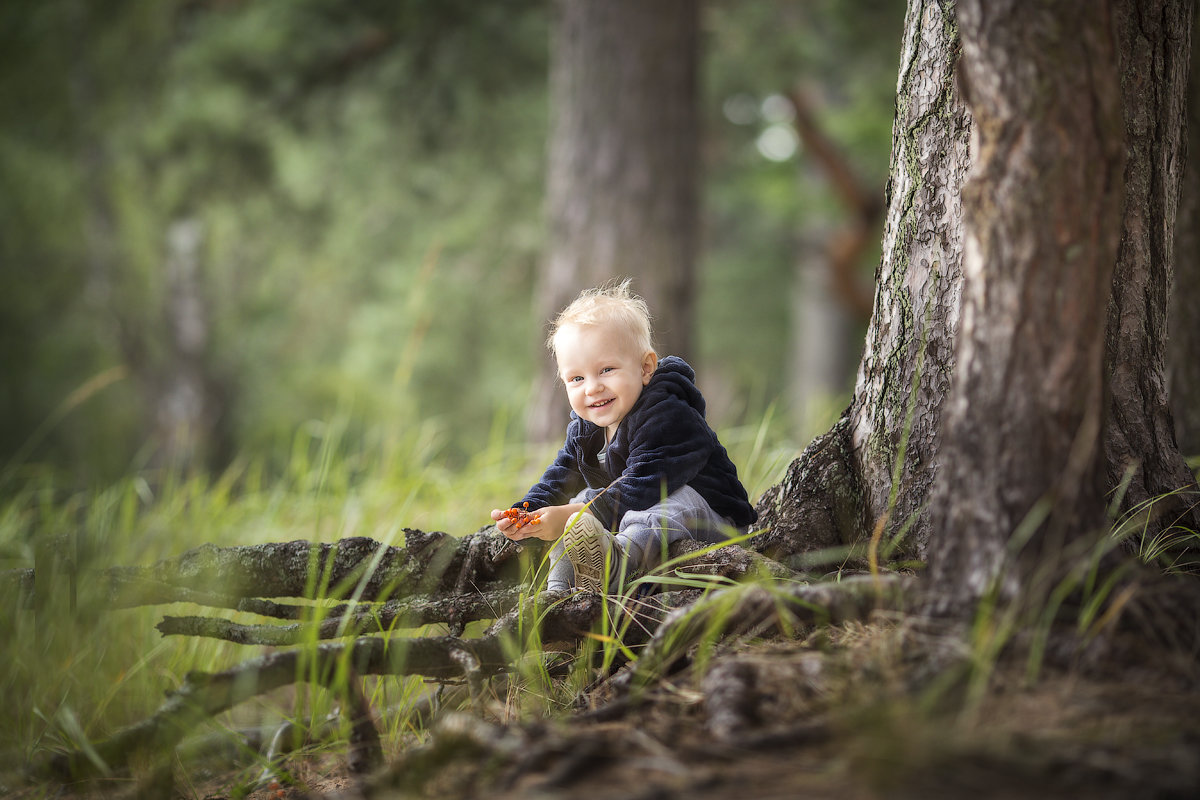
{"x":1154,"y":39}
{"x":622,"y":174}
{"x":1021,"y":449}
{"x":1183,"y":366}
{"x":843,"y":484}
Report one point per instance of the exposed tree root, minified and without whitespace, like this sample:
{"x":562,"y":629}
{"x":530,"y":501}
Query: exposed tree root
{"x":429,"y":564}
{"x":757,"y":609}
{"x":819,"y":503}
{"x":523,"y":623}
{"x":203,"y":695}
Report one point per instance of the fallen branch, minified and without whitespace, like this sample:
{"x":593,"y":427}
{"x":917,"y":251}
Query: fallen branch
{"x":203,"y":695}
{"x":547,"y":618}
{"x":429,"y":563}
{"x":484,"y":567}
{"x":341,"y":623}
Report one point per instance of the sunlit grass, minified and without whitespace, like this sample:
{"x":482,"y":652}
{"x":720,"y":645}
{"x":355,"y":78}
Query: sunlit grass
{"x":74,"y":675}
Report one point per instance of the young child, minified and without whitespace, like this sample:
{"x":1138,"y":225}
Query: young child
{"x":639,"y":458}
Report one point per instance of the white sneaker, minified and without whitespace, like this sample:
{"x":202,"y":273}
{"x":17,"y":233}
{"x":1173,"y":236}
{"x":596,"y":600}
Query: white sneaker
{"x":587,"y":545}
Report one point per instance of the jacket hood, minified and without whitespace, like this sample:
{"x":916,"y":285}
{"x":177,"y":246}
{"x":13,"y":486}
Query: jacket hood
{"x":674,"y":376}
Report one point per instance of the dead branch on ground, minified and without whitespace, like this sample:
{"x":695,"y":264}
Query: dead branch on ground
{"x":435,"y":578}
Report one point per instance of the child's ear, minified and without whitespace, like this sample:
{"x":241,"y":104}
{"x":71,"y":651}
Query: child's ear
{"x":649,"y":364}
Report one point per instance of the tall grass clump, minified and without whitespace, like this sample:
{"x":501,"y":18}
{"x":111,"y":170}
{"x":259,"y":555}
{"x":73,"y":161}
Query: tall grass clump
{"x":78,"y":672}
{"x":1156,"y":538}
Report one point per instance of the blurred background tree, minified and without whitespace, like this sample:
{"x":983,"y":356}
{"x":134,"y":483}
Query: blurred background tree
{"x":223,"y":222}
{"x":622,"y":194}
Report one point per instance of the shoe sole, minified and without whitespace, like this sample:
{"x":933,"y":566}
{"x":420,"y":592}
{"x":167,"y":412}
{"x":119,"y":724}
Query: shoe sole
{"x":586,"y":552}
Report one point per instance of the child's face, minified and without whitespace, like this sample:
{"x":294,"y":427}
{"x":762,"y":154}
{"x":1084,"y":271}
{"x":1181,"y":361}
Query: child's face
{"x":603,"y":371}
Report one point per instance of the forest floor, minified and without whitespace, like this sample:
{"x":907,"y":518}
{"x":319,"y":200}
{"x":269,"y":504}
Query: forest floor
{"x":879,"y":710}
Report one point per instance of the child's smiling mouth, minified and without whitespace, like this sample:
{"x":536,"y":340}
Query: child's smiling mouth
{"x":601,"y":403}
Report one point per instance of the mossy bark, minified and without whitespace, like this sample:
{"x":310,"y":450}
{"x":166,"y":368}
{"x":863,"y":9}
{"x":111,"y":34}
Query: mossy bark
{"x":878,"y":462}
{"x":877,"y":467}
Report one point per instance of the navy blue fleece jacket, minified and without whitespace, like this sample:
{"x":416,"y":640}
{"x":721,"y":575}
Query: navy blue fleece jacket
{"x":663,"y":442}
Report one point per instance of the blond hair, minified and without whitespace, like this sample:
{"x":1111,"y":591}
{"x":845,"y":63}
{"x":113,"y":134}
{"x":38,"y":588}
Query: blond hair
{"x":612,"y":303}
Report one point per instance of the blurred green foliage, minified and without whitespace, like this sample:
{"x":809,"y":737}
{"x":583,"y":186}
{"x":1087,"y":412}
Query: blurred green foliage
{"x":762,"y":213}
{"x":368,"y":177}
{"x":85,"y":670}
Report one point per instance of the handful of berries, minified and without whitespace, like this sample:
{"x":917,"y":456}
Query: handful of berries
{"x":521,"y":516}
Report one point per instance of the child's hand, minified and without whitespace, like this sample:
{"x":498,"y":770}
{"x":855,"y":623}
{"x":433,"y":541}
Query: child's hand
{"x":517,"y":524}
{"x":545,"y":523}
{"x":552,"y":520}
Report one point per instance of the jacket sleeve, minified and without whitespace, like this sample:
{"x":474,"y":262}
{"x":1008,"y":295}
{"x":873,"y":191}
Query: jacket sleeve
{"x":561,"y":481}
{"x":666,"y":452}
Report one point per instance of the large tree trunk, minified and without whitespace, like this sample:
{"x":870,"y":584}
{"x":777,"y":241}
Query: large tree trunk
{"x":1154,"y":37}
{"x":621,"y":192}
{"x":1183,"y":344}
{"x":1022,"y":462}
{"x":843,"y":485}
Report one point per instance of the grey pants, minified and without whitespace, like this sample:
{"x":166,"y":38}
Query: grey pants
{"x":644,"y":536}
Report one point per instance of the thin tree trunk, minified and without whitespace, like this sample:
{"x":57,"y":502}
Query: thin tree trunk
{"x":841,"y":488}
{"x":622,"y":191}
{"x":182,"y":397}
{"x":187,"y":400}
{"x":1022,"y":474}
{"x":1154,"y":38}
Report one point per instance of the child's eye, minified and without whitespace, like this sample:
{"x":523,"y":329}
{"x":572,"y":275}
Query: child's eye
{"x":607,"y":369}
